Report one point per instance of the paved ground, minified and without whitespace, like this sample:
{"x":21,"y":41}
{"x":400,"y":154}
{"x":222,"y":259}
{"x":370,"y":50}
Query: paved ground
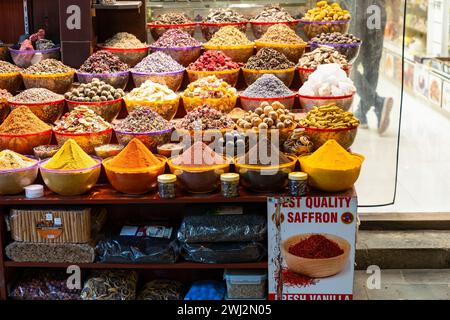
{"x":405,"y":285}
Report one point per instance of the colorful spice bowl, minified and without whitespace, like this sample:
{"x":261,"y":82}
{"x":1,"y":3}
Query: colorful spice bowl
{"x":71,"y":182}
{"x":207,"y":136}
{"x":292,"y":51}
{"x":58,"y":83}
{"x":210,"y":28}
{"x":184,"y":55}
{"x":150,"y":139}
{"x":172,"y":79}
{"x":26,"y":58}
{"x":286,"y":75}
{"x":260,"y":28}
{"x":199,"y":179}
{"x":316,"y":268}
{"x":108,"y":110}
{"x":229,"y":76}
{"x":331,"y":180}
{"x":118,"y":80}
{"x":87,"y":141}
{"x":4,"y":110}
{"x":345,"y":137}
{"x":10,"y":82}
{"x":315,"y":28}
{"x":165,"y":108}
{"x":157,"y":30}
{"x":136,"y":181}
{"x":344,"y":102}
{"x":239,"y":53}
{"x":224,"y":104}
{"x":251,"y":104}
{"x":304,"y":73}
{"x":24,"y":143}
{"x":283,"y":134}
{"x":48,"y":112}
{"x":13,"y":181}
{"x":259,"y":178}
{"x":349,"y":50}
{"x":131,"y":56}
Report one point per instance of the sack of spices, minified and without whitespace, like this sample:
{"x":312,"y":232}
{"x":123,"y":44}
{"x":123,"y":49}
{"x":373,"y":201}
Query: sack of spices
{"x":139,"y":244}
{"x":223,"y":228}
{"x":224,"y":252}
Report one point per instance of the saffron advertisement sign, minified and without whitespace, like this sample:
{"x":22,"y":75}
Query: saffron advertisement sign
{"x":312,"y":247}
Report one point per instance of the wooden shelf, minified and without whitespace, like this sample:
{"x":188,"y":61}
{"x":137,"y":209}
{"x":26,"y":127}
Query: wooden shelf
{"x":174,"y":266}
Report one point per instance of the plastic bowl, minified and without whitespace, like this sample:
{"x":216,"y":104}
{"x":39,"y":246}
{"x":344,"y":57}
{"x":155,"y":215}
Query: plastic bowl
{"x":229,"y":76}
{"x":10,"y":82}
{"x":260,"y":28}
{"x":316,"y":268}
{"x":151,"y":139}
{"x":224,"y":104}
{"x":172,"y":79}
{"x":292,"y":51}
{"x":87,"y":141}
{"x":304,"y":73}
{"x":137,"y":181}
{"x":251,"y":104}
{"x":118,"y":80}
{"x":48,"y":112}
{"x":14,"y":180}
{"x":108,"y":110}
{"x":344,"y":102}
{"x":184,"y":55}
{"x":58,"y":83}
{"x":286,"y":75}
{"x":4,"y":110}
{"x":71,"y":182}
{"x":131,"y":56}
{"x":265,"y":178}
{"x":315,"y":28}
{"x":283,"y":134}
{"x":166,"y":108}
{"x":239,"y":53}
{"x":157,"y":30}
{"x":26,"y":58}
{"x":330,"y":180}
{"x":345,"y":137}
{"x":24,"y":143}
{"x":349,"y":50}
{"x":201,"y":179}
{"x":210,"y":28}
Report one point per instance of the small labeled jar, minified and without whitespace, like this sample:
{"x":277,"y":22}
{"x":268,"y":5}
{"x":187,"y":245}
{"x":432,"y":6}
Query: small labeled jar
{"x":230,"y":185}
{"x":167,"y":186}
{"x":298,"y":184}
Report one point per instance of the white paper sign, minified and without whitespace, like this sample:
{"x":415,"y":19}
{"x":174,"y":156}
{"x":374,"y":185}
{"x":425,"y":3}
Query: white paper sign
{"x":313,"y":248}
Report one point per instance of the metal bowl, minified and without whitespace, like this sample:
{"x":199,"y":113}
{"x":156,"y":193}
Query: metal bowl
{"x":58,"y":83}
{"x":315,"y":28}
{"x":286,"y":75}
{"x":131,"y":56}
{"x":14,"y":180}
{"x":87,"y":141}
{"x":48,"y":112}
{"x":26,"y":58}
{"x":11,"y":82}
{"x":108,"y":110}
{"x":184,"y":55}
{"x":118,"y":80}
{"x":24,"y":143}
{"x":345,"y":137}
{"x":172,"y":79}
{"x":210,"y":28}
{"x":150,"y":139}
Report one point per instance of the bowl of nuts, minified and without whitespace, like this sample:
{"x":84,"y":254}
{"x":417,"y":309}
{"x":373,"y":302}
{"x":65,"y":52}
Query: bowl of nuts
{"x":346,"y":44}
{"x":252,"y":103}
{"x":117,"y":79}
{"x":271,"y":120}
{"x":330,"y":122}
{"x":314,"y":28}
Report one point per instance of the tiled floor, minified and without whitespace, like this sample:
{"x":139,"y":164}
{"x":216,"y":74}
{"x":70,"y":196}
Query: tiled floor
{"x":424,"y":161}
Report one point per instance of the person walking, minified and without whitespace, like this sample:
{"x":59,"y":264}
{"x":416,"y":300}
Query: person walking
{"x":366,"y":80}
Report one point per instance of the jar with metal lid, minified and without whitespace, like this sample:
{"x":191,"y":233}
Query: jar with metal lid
{"x":298,"y":184}
{"x":167,"y":186}
{"x":230,"y":185}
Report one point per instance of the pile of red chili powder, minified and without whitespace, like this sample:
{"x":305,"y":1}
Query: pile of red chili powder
{"x":316,"y":247}
{"x":213,"y":61}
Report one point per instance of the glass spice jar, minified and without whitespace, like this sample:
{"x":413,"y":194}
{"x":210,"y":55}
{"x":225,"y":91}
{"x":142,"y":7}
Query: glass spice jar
{"x":298,"y":184}
{"x":230,"y":185}
{"x":167,"y":186}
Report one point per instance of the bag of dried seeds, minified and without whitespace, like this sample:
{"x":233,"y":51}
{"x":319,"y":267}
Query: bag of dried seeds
{"x":110,"y":285}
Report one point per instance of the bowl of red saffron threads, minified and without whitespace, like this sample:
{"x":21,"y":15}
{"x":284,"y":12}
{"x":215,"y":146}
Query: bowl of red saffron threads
{"x":316,"y":255}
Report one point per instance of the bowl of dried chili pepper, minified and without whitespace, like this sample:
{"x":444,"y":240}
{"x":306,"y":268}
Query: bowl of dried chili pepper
{"x":316,"y":255}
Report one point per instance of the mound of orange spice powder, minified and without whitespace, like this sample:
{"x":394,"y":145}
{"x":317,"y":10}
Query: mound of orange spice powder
{"x":133,"y":157}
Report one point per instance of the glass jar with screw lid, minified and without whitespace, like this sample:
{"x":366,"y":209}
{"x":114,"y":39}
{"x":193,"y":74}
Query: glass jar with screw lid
{"x":166,"y":185}
{"x":230,"y":185}
{"x":298,"y":184}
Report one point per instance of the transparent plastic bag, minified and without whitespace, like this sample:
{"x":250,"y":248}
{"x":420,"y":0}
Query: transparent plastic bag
{"x":223,"y":228}
{"x":231,"y":252}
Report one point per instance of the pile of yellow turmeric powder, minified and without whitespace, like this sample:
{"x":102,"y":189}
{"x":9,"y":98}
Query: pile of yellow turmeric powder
{"x":134,"y":156}
{"x":332,"y":156}
{"x":70,"y":157}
